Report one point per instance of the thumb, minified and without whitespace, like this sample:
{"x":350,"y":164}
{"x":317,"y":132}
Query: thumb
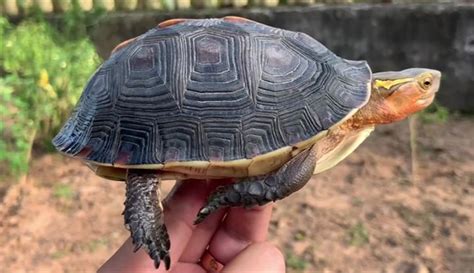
{"x":257,"y":257}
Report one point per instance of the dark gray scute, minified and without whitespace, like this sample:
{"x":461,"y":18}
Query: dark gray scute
{"x":211,"y":90}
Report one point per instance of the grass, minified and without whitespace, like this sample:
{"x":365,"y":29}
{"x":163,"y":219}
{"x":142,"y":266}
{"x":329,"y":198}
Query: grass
{"x":435,"y":113}
{"x":63,"y":191}
{"x":413,"y":148}
{"x":295,"y":262}
{"x":357,"y":202}
{"x":421,"y":219}
{"x":358,"y":235}
{"x":90,"y":246}
{"x":94,"y":245}
{"x":58,"y":254}
{"x":300,"y":235}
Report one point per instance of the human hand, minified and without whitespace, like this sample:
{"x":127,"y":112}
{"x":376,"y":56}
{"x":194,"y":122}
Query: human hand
{"x":236,"y":241}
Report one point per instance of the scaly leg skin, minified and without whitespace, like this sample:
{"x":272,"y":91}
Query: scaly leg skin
{"x":144,"y":215}
{"x":260,"y":190}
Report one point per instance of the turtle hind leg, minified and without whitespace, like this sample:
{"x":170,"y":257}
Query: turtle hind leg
{"x":252,"y":191}
{"x":144,"y":215}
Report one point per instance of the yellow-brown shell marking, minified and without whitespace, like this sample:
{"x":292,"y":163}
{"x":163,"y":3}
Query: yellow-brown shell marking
{"x":258,"y":165}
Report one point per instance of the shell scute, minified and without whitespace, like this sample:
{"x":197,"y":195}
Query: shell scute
{"x":220,"y":90}
{"x":215,"y":80}
{"x":182,"y":139}
{"x":297,"y":123}
{"x":261,"y":133}
{"x":224,"y":139}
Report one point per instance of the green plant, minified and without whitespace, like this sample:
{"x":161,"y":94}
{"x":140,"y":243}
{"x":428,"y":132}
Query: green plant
{"x":295,"y":262}
{"x":95,"y":244}
{"x":74,"y":23}
{"x":58,"y":254}
{"x":62,"y":191}
{"x":435,"y":113}
{"x":41,"y":78}
{"x":423,"y":219}
{"x":300,"y":235}
{"x":358,"y":235}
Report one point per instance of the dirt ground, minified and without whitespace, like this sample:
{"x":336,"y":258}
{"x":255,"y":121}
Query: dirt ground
{"x":367,"y":214}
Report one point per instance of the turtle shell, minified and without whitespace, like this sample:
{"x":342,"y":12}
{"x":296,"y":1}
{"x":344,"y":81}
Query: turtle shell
{"x":212,"y":90}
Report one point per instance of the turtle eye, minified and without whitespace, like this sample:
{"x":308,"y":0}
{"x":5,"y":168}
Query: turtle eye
{"x":426,"y":83}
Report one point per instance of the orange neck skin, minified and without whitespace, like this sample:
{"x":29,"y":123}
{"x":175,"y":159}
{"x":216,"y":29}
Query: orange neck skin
{"x":404,"y":101}
{"x":374,"y":112}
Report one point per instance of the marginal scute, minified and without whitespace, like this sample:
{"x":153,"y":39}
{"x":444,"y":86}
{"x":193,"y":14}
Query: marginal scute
{"x":237,"y":19}
{"x":111,"y":173}
{"x":171,"y":22}
{"x":269,"y":162}
{"x":122,"y":45}
{"x":234,"y":168}
{"x":211,"y":98}
{"x":198,"y":168}
{"x":259,"y":165}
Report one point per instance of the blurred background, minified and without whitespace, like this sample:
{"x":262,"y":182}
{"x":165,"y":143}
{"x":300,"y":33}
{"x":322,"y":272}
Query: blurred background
{"x":403,"y":202}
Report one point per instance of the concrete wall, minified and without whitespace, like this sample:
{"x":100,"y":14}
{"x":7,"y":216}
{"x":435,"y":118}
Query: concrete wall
{"x":389,"y":37}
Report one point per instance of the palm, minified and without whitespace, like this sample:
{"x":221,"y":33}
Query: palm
{"x":235,"y":237}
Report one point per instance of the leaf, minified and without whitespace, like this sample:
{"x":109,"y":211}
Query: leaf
{"x":42,"y":77}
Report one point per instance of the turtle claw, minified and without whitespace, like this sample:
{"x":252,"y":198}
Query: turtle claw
{"x":137,"y":247}
{"x":156,"y":243}
{"x":214,"y":202}
{"x":159,"y":250}
{"x":203,"y":213}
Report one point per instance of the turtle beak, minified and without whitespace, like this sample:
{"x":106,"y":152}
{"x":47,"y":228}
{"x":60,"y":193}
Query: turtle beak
{"x":436,"y":79}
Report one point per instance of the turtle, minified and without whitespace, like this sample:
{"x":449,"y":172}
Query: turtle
{"x":228,"y":98}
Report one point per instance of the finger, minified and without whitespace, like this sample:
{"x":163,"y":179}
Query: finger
{"x":203,"y":232}
{"x":201,"y":237}
{"x":124,"y":260}
{"x":187,"y":268}
{"x":240,"y":228}
{"x":270,"y":260}
{"x":180,"y":210}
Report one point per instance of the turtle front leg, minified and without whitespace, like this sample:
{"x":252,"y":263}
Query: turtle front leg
{"x":260,"y":190}
{"x":144,"y":215}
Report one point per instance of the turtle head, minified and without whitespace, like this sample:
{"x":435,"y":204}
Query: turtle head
{"x":396,"y":95}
